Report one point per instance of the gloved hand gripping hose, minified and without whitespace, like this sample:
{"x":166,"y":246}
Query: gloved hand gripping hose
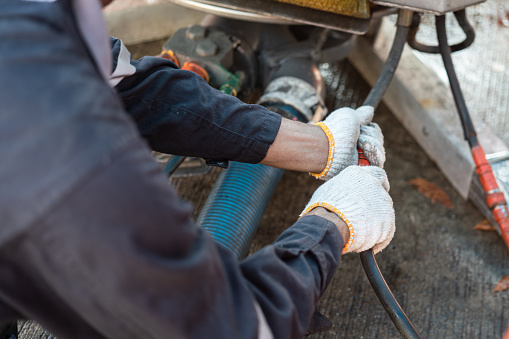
{"x":373,"y":273}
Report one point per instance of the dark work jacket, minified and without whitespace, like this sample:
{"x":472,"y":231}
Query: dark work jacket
{"x":61,"y":123}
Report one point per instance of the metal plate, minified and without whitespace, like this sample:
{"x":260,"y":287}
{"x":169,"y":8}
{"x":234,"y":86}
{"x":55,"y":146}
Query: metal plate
{"x":432,"y":6}
{"x":273,"y":10}
{"x":230,"y":13}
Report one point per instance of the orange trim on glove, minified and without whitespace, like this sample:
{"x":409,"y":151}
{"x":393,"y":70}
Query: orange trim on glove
{"x":340,"y":215}
{"x":330,"y":138}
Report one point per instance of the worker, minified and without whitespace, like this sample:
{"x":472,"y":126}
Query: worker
{"x":95,"y":243}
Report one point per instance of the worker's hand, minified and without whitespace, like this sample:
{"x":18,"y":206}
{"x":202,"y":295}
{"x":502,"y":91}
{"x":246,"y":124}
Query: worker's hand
{"x":371,"y":141}
{"x":359,"y":196}
{"x":347,"y":129}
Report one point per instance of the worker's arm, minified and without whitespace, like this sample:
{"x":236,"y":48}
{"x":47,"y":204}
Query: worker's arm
{"x":179,"y":113}
{"x":334,"y":218}
{"x":299,"y":147}
{"x":357,"y":198}
{"x":139,"y":267}
{"x":329,"y":147}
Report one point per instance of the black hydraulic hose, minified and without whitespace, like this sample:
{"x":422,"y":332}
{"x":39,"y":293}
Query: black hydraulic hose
{"x":461,"y":17}
{"x":384,"y":294}
{"x":445,"y":50}
{"x":383,"y":81}
{"x":373,"y":273}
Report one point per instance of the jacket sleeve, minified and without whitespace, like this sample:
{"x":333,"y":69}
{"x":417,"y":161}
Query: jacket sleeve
{"x":289,"y":277}
{"x":177,"y":112}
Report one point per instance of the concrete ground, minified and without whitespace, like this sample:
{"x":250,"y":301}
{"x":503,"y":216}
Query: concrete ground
{"x":441,"y":270}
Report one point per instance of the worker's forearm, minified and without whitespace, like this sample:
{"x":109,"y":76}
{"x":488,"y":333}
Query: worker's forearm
{"x":298,"y":147}
{"x":332,"y":217}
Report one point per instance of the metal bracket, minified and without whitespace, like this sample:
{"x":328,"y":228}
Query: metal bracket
{"x":437,"y":7}
{"x":276,"y":11}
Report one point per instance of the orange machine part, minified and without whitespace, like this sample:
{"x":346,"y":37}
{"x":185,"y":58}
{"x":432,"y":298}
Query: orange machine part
{"x":168,"y":54}
{"x":194,"y":67}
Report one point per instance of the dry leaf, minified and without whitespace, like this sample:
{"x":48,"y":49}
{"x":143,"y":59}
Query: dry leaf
{"x":431,"y":191}
{"x":502,"y":285}
{"x":484,"y":225}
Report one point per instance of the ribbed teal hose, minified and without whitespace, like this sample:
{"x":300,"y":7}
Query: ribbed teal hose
{"x":236,"y":204}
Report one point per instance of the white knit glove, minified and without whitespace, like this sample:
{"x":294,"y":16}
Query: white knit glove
{"x":347,"y":129}
{"x":359,"y":196}
{"x":371,"y":141}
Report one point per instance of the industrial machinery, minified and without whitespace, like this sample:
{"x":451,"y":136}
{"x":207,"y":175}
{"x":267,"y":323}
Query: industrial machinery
{"x":273,"y":47}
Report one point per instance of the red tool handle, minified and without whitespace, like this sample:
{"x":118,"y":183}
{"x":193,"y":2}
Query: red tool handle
{"x":506,"y":334}
{"x":494,"y":197}
{"x":363,"y":161}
